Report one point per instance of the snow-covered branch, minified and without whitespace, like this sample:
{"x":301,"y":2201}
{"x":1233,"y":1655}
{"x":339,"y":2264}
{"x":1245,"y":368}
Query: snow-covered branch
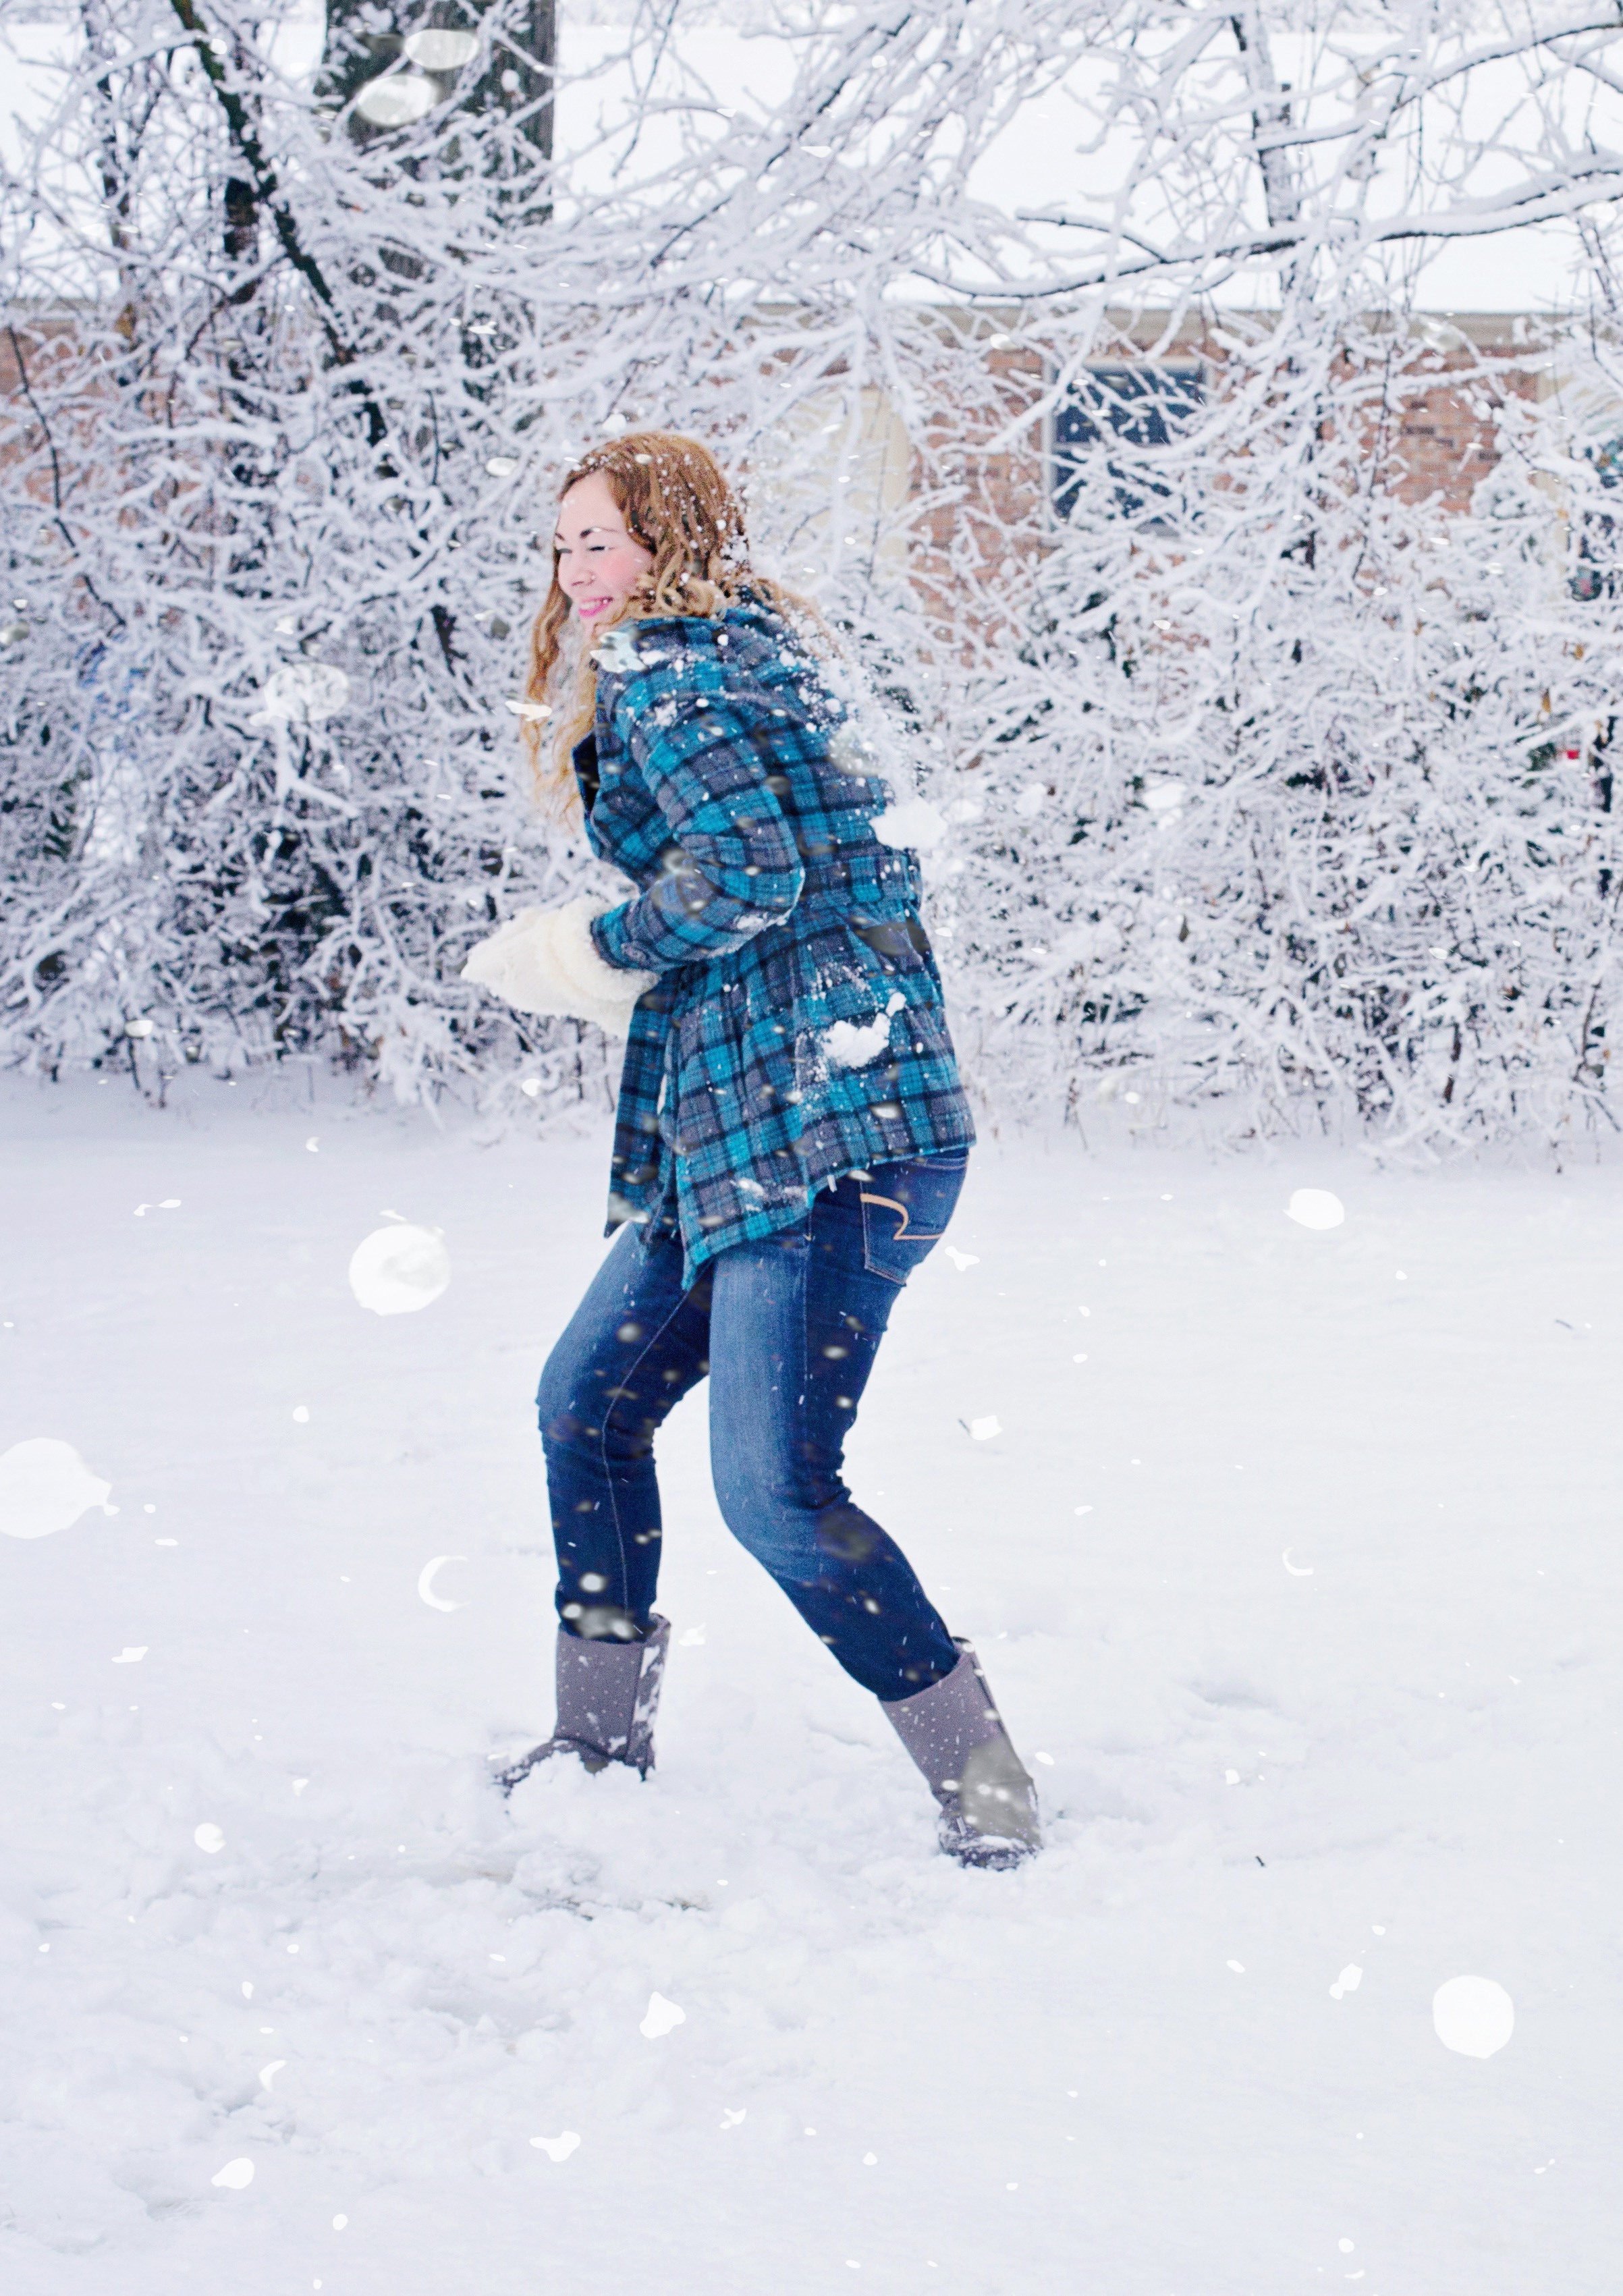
{"x":1269,"y":731}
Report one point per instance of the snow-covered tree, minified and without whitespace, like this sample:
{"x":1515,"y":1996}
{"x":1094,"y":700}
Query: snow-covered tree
{"x":1255,"y":763}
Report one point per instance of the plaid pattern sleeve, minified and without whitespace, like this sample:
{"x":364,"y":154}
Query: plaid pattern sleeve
{"x":797,"y":1028}
{"x":698,"y":733}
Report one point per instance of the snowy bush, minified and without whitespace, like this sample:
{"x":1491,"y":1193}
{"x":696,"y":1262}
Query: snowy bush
{"x":1266,"y":781}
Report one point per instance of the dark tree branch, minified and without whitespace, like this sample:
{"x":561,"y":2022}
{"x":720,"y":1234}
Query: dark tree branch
{"x":265,"y":189}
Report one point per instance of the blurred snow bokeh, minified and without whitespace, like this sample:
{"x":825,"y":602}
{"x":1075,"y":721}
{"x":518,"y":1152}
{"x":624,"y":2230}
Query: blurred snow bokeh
{"x":44,"y":1485}
{"x":1315,"y":1207}
{"x":395,"y":1270}
{"x":306,"y":692}
{"x":1473,"y":2016}
{"x":662,"y":2017}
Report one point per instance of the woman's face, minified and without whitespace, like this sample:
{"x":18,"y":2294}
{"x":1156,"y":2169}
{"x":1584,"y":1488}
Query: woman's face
{"x":599,"y":562}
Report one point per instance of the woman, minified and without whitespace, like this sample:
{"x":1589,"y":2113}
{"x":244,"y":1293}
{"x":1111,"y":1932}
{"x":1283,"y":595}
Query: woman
{"x":791,"y":1134}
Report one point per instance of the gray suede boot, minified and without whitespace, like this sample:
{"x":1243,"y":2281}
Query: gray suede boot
{"x":956,"y":1736}
{"x":608,"y":1693}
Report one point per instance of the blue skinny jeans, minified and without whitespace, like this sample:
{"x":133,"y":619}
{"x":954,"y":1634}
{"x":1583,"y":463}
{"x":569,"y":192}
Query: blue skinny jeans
{"x":787,"y":1331}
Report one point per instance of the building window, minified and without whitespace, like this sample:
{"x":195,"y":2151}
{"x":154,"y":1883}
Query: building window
{"x":1596,"y":533}
{"x":1132,"y":411}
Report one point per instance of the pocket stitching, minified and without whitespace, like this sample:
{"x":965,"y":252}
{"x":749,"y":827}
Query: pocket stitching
{"x":912,"y":1234}
{"x":874,"y":1266}
{"x":916,"y":1243}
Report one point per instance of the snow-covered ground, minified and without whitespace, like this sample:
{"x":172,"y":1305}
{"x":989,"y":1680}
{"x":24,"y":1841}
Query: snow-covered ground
{"x":1295,"y":1566}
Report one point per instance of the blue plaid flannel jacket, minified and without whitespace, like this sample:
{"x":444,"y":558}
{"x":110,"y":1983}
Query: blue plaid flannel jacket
{"x":796,"y":1031}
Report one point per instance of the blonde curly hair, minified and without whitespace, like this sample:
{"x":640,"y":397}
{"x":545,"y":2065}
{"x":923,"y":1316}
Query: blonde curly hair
{"x":677,"y":503}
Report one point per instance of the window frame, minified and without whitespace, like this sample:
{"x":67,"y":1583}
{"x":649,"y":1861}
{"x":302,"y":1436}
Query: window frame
{"x":1192,"y":372}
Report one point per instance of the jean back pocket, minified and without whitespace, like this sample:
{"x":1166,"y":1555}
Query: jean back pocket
{"x":905,"y":1211}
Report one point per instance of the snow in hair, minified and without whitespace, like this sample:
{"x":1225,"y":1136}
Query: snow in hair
{"x":677,"y":502}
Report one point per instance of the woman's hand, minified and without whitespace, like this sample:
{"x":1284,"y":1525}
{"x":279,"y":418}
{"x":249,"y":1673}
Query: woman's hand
{"x":545,"y":961}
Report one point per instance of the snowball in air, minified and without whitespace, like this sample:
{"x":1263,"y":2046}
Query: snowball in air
{"x":395,"y":1270}
{"x":1472,"y":2015}
{"x":210,"y":1838}
{"x":1315,"y":1207}
{"x":44,"y":1485}
{"x":236,"y":2176}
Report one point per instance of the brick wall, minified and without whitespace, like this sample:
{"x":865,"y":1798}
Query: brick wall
{"x":1433,"y":442}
